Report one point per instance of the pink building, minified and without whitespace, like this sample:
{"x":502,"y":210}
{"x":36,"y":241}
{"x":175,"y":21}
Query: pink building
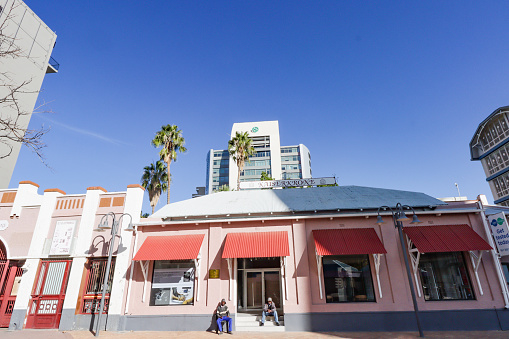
{"x":52,"y":260}
{"x":319,"y":254}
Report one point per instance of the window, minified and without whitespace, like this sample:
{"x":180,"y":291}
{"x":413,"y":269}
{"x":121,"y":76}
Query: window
{"x":502,"y":185}
{"x":494,"y":132}
{"x":290,"y":150}
{"x":290,"y":158}
{"x":96,"y":268}
{"x":172,"y":283}
{"x":505,"y":268}
{"x":444,"y":277}
{"x":295,"y":175}
{"x":290,"y":167}
{"x":347,"y":278}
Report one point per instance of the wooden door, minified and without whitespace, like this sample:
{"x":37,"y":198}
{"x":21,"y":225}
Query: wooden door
{"x":48,"y":294}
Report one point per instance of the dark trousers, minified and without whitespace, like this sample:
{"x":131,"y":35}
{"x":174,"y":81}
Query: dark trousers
{"x":228,"y":319}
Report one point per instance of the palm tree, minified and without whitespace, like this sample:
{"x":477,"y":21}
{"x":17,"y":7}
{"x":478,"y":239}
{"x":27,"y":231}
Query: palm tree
{"x":240,"y":150}
{"x":171,"y":140}
{"x":155,"y":181}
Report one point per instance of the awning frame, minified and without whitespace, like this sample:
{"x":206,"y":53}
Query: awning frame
{"x":415,"y":257}
{"x":144,"y":269}
{"x":376,"y":259}
{"x":476,"y":262}
{"x":230,"y":278}
{"x":284,"y":288}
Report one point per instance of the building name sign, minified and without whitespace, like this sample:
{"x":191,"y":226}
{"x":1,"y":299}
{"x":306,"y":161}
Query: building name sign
{"x":500,"y":232}
{"x":288,"y":183}
{"x":62,"y":237}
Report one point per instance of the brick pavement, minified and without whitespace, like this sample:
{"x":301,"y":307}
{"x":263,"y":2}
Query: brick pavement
{"x":54,"y":334}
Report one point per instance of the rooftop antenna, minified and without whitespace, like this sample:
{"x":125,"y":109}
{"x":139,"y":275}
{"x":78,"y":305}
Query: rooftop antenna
{"x":458,"y":188}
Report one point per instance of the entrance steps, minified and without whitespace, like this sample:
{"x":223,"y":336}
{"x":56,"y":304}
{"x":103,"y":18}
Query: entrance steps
{"x":250,"y":322}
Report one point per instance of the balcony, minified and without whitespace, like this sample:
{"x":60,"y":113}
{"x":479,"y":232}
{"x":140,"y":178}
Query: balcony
{"x":53,"y":66}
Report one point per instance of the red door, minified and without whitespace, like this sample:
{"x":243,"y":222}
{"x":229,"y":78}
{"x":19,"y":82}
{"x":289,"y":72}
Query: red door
{"x":8,"y":273}
{"x":48,"y":294}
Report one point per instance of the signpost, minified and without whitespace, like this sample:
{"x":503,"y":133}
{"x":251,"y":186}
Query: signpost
{"x":288,"y":183}
{"x":500,"y":232}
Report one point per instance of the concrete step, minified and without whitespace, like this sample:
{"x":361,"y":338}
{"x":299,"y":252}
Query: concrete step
{"x":257,"y":323}
{"x":260,"y":328}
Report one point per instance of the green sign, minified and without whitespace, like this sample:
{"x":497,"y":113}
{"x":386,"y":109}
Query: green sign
{"x":254,"y":129}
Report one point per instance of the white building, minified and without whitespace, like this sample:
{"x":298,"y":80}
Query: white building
{"x":279,"y":162}
{"x":28,"y":33}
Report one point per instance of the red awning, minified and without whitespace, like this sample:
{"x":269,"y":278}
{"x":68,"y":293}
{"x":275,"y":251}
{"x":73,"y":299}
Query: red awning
{"x":173,"y":247}
{"x":256,"y":245}
{"x":347,"y":241}
{"x":450,"y":238}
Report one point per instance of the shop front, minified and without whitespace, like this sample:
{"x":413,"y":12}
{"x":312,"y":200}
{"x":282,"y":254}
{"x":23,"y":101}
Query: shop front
{"x":328,"y":269}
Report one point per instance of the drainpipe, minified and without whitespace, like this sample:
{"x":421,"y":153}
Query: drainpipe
{"x":126,"y":310}
{"x":496,"y":258}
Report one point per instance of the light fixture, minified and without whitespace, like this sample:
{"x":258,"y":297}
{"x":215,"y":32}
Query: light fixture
{"x":105,"y":225}
{"x":415,"y":220}
{"x":402,"y":216}
{"x":98,"y":229}
{"x":379,"y":220}
{"x":130,"y":227}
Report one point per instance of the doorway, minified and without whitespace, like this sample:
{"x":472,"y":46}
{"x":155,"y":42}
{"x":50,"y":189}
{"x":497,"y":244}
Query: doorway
{"x":258,"y":280}
{"x":48,"y":294}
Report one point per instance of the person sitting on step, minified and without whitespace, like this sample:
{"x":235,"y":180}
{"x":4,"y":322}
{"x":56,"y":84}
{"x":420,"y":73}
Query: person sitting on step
{"x":269,"y":310}
{"x":223,"y":315}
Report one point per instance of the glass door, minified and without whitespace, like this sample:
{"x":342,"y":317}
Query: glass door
{"x":260,"y":285}
{"x":254,"y":289}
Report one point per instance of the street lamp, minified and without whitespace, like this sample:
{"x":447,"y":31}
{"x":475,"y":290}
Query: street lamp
{"x":115,"y":226}
{"x":398,"y":216}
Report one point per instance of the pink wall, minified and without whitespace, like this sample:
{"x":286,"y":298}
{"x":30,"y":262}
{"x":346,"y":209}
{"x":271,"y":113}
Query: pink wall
{"x":18,"y":235}
{"x":303,"y":289}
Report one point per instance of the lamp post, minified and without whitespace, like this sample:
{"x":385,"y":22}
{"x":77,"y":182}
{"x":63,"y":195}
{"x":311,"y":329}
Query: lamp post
{"x":398,"y":216}
{"x":115,"y":226}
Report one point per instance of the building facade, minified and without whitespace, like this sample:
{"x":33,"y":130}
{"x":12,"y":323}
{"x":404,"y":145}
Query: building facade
{"x":53,"y":259}
{"x":490,"y":146}
{"x":25,"y":32}
{"x":279,"y":162}
{"x":323,"y":259}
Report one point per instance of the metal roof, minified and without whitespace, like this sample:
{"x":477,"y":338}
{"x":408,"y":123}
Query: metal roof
{"x":347,"y":241}
{"x":172,"y":247}
{"x":446,"y":238}
{"x":293,"y":200}
{"x":256,"y":245}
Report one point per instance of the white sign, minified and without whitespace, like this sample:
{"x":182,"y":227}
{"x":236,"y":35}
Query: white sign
{"x":3,"y":225}
{"x":500,"y":232}
{"x":287,"y":183}
{"x":62,"y":237}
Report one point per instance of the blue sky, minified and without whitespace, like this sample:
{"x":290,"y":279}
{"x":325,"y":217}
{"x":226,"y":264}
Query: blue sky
{"x":384,"y":94}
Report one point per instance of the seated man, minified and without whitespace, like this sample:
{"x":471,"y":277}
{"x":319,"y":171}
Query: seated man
{"x":269,"y":310}
{"x":223,"y":314}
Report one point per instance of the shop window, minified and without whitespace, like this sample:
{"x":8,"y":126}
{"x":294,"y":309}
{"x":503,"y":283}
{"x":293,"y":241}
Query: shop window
{"x":505,"y":268}
{"x":444,"y":277}
{"x":172,"y":283}
{"x":96,"y":269}
{"x":347,"y":278}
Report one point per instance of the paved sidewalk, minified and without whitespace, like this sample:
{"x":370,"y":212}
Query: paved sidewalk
{"x":54,"y":334}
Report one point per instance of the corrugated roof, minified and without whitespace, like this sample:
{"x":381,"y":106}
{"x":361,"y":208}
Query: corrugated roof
{"x":347,"y":241}
{"x":173,"y":247}
{"x":446,"y":238}
{"x":256,"y":245}
{"x":297,"y":200}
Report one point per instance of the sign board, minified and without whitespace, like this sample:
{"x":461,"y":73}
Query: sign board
{"x":62,"y":237}
{"x":500,"y":232}
{"x":213,"y":274}
{"x":3,"y":225}
{"x":173,"y":286}
{"x":288,"y":183}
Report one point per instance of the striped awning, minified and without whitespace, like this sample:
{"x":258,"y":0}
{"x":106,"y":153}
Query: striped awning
{"x":173,"y":247}
{"x":347,"y":241}
{"x":446,"y":238}
{"x":256,"y":245}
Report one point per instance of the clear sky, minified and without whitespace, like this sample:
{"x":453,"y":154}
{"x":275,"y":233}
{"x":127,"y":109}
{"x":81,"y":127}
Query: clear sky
{"x":384,"y":94}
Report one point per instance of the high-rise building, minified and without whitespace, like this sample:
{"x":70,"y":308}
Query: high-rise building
{"x":21,"y":30}
{"x":279,"y":162}
{"x":490,"y":145}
